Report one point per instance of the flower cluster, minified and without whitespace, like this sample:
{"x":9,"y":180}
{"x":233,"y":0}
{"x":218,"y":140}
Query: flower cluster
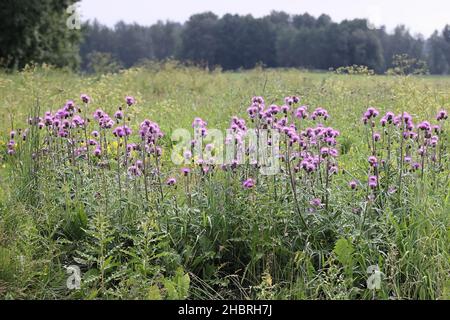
{"x":417,"y":145}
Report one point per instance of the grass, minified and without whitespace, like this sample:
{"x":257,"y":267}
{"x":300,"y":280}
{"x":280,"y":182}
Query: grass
{"x":208,"y":238}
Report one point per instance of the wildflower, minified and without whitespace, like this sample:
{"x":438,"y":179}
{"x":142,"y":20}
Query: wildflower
{"x":320,"y":112}
{"x":98,"y":114}
{"x":371,"y":113}
{"x":424,"y":126}
{"x":324,"y":152}
{"x":376,"y":137}
{"x":334,"y":153}
{"x":119,"y":132}
{"x":353,"y":185}
{"x":185,"y":171}
{"x":317,"y":203}
{"x":61,"y":133}
{"x":434,"y":141}
{"x":415,"y":166}
{"x":11,"y":152}
{"x":187,"y":155}
{"x":12,"y":134}
{"x":333,"y":169}
{"x":130,"y":101}
{"x":421,"y":151}
{"x":373,"y":182}
{"x":252,"y":111}
{"x":139,"y":164}
{"x":77,"y":121}
{"x":171,"y":181}
{"x":70,"y":105}
{"x":95,"y":134}
{"x":373,"y":161}
{"x":248,"y":184}
{"x":134,"y":171}
{"x":199,"y":123}
{"x":301,"y":113}
{"x":442,"y":115}
{"x":408,"y":159}
{"x":131,"y":147}
{"x":285,"y":109}
{"x":97,"y":152}
{"x":118,"y":115}
{"x":85,"y":98}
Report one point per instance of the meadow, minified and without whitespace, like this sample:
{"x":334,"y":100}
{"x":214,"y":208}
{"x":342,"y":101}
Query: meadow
{"x":362,"y":196}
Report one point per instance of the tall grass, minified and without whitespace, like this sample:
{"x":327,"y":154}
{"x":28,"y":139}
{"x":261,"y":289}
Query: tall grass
{"x":205,"y":235}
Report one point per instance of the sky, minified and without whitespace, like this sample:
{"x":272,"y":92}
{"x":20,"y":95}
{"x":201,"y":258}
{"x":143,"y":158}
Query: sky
{"x":418,"y":15}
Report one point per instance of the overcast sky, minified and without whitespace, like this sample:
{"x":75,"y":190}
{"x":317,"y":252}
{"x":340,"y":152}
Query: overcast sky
{"x":419,"y":16}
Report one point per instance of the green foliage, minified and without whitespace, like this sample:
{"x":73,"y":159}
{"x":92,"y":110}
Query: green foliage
{"x":102,"y":63}
{"x":277,"y":40}
{"x":404,"y":65}
{"x":217,"y":240}
{"x":36,"y":31}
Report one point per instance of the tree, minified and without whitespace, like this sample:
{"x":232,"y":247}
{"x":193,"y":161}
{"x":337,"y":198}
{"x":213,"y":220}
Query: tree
{"x":165,"y":39}
{"x":36,"y":31}
{"x":439,"y":53}
{"x":198,"y":41}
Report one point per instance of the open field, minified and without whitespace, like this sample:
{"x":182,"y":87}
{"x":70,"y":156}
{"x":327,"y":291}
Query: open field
{"x":220,"y":233}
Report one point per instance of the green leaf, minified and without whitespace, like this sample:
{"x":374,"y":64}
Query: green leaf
{"x":154,"y":293}
{"x":344,"y":250}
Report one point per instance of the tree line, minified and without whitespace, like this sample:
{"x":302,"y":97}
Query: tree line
{"x":36,"y":31}
{"x":276,"y":40}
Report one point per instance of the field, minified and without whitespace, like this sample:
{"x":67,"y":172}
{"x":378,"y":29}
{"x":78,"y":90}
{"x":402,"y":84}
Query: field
{"x":370,"y":222}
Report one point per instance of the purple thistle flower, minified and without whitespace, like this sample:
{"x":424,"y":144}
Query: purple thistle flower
{"x":185,"y":171}
{"x":63,"y":133}
{"x":248,"y":184}
{"x":317,"y":203}
{"x":320,"y":112}
{"x":98,"y":114}
{"x":118,"y":115}
{"x":12,"y":134}
{"x":11,"y":144}
{"x":199,"y":123}
{"x":97,"y":152}
{"x":373,"y":161}
{"x":70,"y":105}
{"x":373,"y":182}
{"x":171,"y":181}
{"x":285,"y":109}
{"x":424,"y":126}
{"x":77,"y":122}
{"x":258,"y":100}
{"x":442,"y":115}
{"x":376,"y":137}
{"x":301,"y":112}
{"x":353,"y":185}
{"x":324,"y":152}
{"x":130,"y":101}
{"x":85,"y":98}
{"x":134,"y":171}
{"x":119,"y":132}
